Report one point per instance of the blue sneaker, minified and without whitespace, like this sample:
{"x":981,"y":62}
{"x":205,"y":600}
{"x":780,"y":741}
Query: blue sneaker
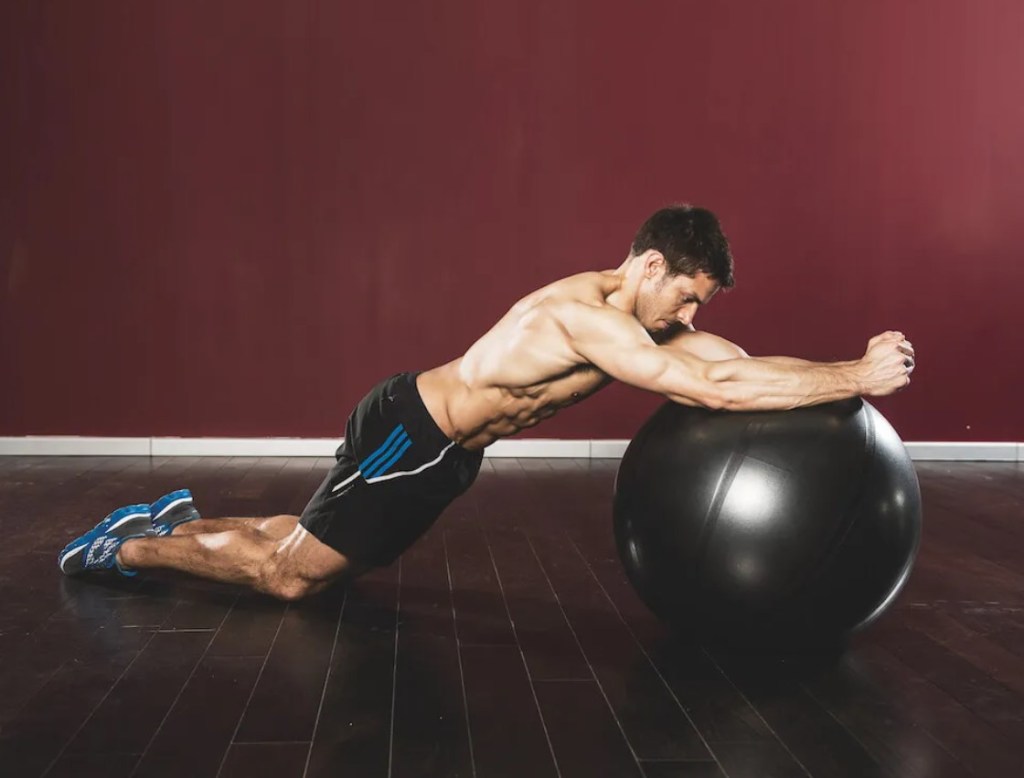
{"x":97,"y":549}
{"x":171,"y":510}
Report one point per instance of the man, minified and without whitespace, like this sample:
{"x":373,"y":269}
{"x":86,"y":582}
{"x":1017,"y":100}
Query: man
{"x":415,"y":442}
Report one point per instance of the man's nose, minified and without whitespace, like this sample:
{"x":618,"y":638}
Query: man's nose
{"x":686,"y":315}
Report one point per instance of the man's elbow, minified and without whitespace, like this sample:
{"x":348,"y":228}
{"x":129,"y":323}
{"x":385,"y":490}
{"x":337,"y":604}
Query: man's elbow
{"x":718,"y":389}
{"x":705,"y":393}
{"x":724,"y":397}
{"x":722,"y":392}
{"x":732,"y":397}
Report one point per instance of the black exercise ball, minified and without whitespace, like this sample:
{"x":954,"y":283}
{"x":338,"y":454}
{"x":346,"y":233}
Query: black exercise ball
{"x":787,"y":525}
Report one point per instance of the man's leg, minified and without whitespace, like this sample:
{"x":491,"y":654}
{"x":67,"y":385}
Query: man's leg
{"x":275,"y":527}
{"x":289,"y":567}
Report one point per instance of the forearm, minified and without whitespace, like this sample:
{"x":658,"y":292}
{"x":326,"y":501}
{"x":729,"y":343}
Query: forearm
{"x":800,"y":362}
{"x":761,"y":385}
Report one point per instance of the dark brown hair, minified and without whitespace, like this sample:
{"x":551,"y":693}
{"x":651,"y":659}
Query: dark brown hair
{"x":690,"y":239}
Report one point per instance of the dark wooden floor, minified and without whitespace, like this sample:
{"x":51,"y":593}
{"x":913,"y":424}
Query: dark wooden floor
{"x":505,"y":643}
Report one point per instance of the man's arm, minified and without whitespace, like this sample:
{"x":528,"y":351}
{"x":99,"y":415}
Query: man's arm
{"x":616,"y":343}
{"x":714,"y":348}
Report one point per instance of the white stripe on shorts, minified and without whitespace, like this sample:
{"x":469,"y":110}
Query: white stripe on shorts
{"x":419,"y":469}
{"x":347,"y":481}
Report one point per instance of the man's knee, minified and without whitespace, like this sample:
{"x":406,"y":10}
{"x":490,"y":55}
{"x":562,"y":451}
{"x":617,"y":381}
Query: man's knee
{"x":280,"y":578}
{"x":292,"y":589}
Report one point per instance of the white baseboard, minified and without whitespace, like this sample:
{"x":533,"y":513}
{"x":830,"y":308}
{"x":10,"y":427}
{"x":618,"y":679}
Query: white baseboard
{"x":244,"y":447}
{"x":61,"y":446}
{"x":325,"y":447}
{"x":967,"y":452}
{"x":608,"y":449}
{"x":540,"y":447}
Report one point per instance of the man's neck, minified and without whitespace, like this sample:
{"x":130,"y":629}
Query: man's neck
{"x":623,"y":297}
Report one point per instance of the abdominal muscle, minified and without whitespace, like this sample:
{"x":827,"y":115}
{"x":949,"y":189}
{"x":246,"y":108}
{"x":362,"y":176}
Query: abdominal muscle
{"x":522,"y":371}
{"x":476,"y":414}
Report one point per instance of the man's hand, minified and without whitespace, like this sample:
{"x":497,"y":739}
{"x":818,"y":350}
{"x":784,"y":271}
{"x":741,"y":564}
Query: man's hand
{"x":886,"y":365}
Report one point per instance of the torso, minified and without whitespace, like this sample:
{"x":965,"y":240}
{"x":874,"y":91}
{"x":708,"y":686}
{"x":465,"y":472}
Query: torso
{"x":522,"y":371}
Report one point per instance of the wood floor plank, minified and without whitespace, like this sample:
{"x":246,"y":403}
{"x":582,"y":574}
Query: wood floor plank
{"x":426,"y":598}
{"x":356,"y":711}
{"x":767,"y":759}
{"x":971,"y":686}
{"x":547,"y":642}
{"x":116,"y":765}
{"x":126,"y":720}
{"x":584,"y":735}
{"x":200,"y":607}
{"x":33,"y":657}
{"x":948,"y":628}
{"x":265,"y":760}
{"x":196,"y":734}
{"x":655,"y":725}
{"x":815,"y":738}
{"x":970,"y":740}
{"x":430,"y":726}
{"x":720,"y":712}
{"x":878,"y":723}
{"x":286,"y":700}
{"x":497,"y":684}
{"x":498,"y":693}
{"x":250,"y":627}
{"x":32,"y":739}
{"x":677,"y":769}
{"x":481,"y":617}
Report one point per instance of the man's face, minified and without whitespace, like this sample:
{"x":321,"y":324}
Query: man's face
{"x":665,"y":300}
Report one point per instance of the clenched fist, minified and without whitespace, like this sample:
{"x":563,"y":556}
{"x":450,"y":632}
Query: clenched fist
{"x":887,"y":364}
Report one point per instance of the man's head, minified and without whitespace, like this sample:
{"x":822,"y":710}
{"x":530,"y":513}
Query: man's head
{"x":684,"y":259}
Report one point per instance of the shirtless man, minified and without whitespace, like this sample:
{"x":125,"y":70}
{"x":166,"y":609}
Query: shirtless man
{"x":415,"y":442}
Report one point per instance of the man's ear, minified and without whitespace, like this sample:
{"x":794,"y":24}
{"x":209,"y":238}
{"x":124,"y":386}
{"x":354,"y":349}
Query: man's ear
{"x":654,"y":262}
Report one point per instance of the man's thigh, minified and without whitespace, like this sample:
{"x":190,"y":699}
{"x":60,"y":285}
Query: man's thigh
{"x":302,"y":556}
{"x":273,"y":527}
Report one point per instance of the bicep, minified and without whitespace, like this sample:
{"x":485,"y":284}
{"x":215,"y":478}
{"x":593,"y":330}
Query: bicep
{"x":714,"y":348}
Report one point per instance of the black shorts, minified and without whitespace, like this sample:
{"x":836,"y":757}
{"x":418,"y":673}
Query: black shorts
{"x":395,"y":473}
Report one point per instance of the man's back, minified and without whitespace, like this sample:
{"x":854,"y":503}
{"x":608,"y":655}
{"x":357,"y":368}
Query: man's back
{"x":522,"y":370}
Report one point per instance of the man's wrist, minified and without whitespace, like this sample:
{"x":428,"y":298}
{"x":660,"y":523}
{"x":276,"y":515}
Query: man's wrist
{"x":856,"y":375}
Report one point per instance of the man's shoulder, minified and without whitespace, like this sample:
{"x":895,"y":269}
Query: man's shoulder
{"x":594,"y":319}
{"x":589,"y":288}
{"x":574,"y":304}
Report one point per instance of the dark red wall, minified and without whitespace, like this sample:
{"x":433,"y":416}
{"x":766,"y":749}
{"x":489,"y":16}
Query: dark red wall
{"x":230,"y":218}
